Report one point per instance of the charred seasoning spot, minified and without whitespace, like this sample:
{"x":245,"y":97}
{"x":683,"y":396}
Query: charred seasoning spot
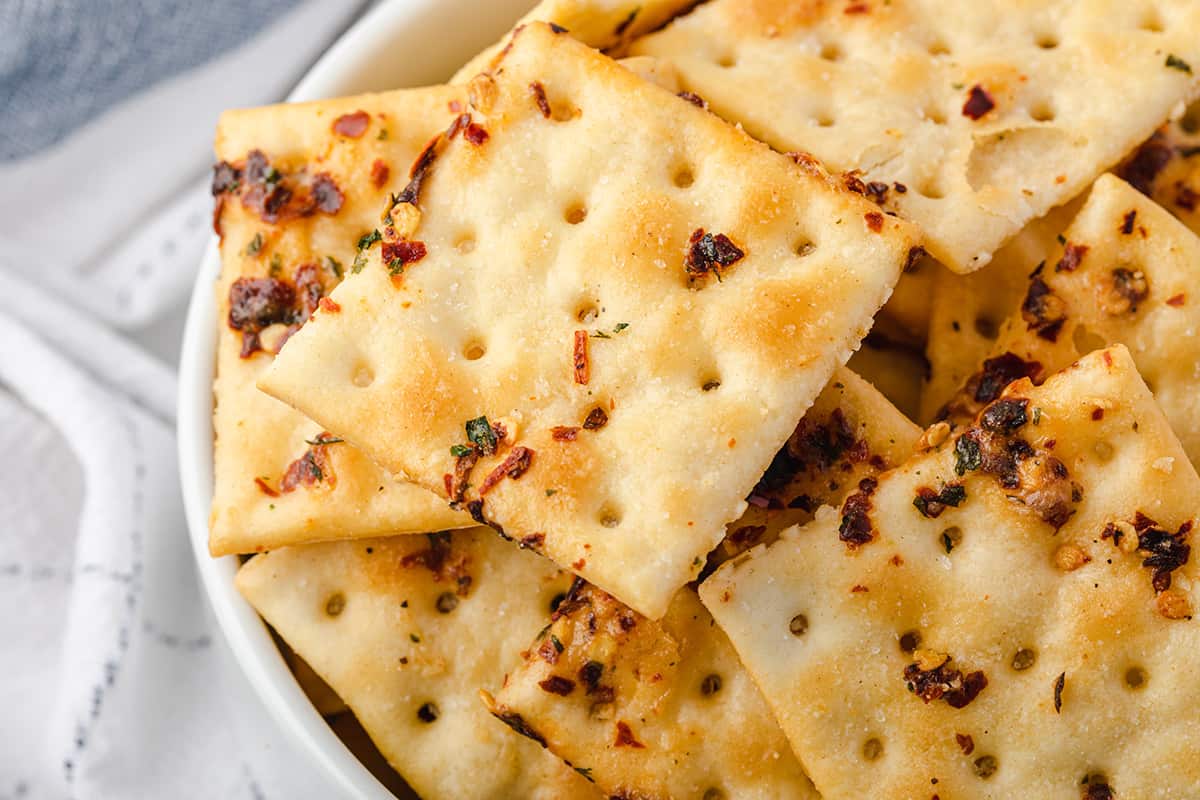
{"x":978,"y":103}
{"x":352,"y":125}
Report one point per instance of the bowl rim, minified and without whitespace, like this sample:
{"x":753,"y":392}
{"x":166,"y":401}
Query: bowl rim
{"x":254,"y":649}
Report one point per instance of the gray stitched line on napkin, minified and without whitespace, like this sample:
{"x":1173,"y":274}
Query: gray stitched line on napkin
{"x":62,"y":62}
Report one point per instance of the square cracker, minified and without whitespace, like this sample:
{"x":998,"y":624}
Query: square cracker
{"x":556,"y":222}
{"x":988,"y":113}
{"x":407,"y":630}
{"x":257,"y":437}
{"x":966,"y":312}
{"x":676,"y":683}
{"x":607,"y":25}
{"x":649,"y":708}
{"x":1126,"y":271}
{"x":1088,"y":657}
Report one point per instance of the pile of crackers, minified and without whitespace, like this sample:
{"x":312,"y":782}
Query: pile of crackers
{"x":743,"y":399}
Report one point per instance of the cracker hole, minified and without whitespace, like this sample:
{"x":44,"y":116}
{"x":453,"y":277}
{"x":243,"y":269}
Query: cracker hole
{"x":1151,"y":21}
{"x":428,"y":713}
{"x":335,"y":605}
{"x":824,"y":119}
{"x":556,"y":601}
{"x":727,"y":60}
{"x":710,"y":685}
{"x":465,"y":243}
{"x":934,"y":115}
{"x":804,"y":247}
{"x":609,"y":518}
{"x":1042,"y":111}
{"x":872,"y":749}
{"x":1103,"y":451}
{"x":363,"y":376}
{"x":831,"y":52}
{"x":1046,"y":41}
{"x":710,"y":384}
{"x":587,"y":313}
{"x":799,"y":625}
{"x":1135,"y":678}
{"x":473,"y":351}
{"x":987,"y":327}
{"x":910,"y":641}
{"x":951,"y":538}
{"x":1085,"y":340}
{"x":938,"y":48}
{"x":447,"y":602}
{"x":1023,"y":659}
{"x":683,"y":177}
{"x":986,"y":766}
{"x":713,"y":793}
{"x":931,"y":188}
{"x":575,"y":214}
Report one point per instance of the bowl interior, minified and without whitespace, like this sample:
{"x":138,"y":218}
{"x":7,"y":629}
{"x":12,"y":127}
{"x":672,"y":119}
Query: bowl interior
{"x":399,"y":43}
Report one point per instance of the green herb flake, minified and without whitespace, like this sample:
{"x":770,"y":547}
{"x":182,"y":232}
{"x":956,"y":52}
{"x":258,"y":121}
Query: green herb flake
{"x":586,"y":772}
{"x":365,"y":243}
{"x":480,"y":432}
{"x":414,"y":638}
{"x":620,"y":327}
{"x":969,"y":457}
{"x":551,"y":492}
{"x":272,"y":176}
{"x":947,"y":543}
{"x":460,"y":450}
{"x":1037,"y":415}
{"x":1175,"y":62}
{"x":276,"y":267}
{"x":557,"y":644}
{"x":334,"y":266}
{"x":600,"y":335}
{"x":383,"y":135}
{"x":1061,"y":240}
{"x":958,"y":86}
{"x":255,"y":246}
{"x":324,"y":440}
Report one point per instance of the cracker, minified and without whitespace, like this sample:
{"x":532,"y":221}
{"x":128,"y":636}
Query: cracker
{"x":905,"y":316}
{"x":259,"y":438}
{"x":676,"y":683}
{"x":649,"y":708}
{"x":967,"y":311}
{"x":987,"y":112}
{"x":615,"y":302}
{"x":607,"y":25}
{"x":1103,"y":284}
{"x":896,"y":369}
{"x":1088,"y":656}
{"x":1167,"y":167}
{"x":406,"y":630}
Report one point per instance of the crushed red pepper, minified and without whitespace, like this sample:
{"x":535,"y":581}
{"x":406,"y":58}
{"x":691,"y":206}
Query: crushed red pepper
{"x":539,"y":97}
{"x":945,"y":683}
{"x":709,"y":254}
{"x":1072,"y":257}
{"x":978,"y":103}
{"x":352,"y":125}
{"x":625,"y":737}
{"x":856,"y":528}
{"x":515,"y":465}
{"x":380,"y":172}
{"x":311,"y":468}
{"x":580,"y":358}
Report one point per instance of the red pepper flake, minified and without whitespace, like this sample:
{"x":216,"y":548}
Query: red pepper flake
{"x":397,"y":255}
{"x":1177,"y":300}
{"x":945,"y":683}
{"x":1151,"y":158}
{"x":329,"y":305}
{"x":352,"y":125}
{"x":1059,"y":683}
{"x":326,"y":194}
{"x":625,"y":737}
{"x":1071,"y":258}
{"x":859,"y":588}
{"x":265,"y":488}
{"x":310,"y":469}
{"x":978,"y":103}
{"x":597,"y":418}
{"x":708,"y":253}
{"x":257,"y":303}
{"x":1097,"y":413}
{"x":379,"y":173}
{"x":858,"y":8}
{"x":539,"y":97}
{"x":1127,"y":222}
{"x":580,"y":358}
{"x":856,"y":528}
{"x":455,"y":106}
{"x":965,"y":743}
{"x":564,"y":433}
{"x":557,"y":684}
{"x":874,"y":221}
{"x":475,"y":133}
{"x":514,"y":466}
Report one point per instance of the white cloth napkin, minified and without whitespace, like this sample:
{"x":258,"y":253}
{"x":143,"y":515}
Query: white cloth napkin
{"x":115,"y":682}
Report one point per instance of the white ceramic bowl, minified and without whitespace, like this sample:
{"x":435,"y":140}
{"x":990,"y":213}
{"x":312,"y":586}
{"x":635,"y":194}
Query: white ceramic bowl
{"x":399,"y":43}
